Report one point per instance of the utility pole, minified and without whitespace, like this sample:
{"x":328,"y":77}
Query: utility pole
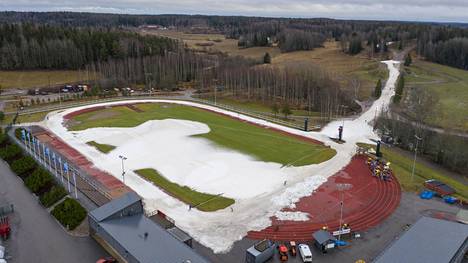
{"x":123,"y":158}
{"x":415,"y":154}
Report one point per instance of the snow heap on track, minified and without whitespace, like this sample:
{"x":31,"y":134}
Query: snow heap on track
{"x":257,"y":186}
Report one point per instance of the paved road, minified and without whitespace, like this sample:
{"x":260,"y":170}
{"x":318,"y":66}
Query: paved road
{"x":36,"y":236}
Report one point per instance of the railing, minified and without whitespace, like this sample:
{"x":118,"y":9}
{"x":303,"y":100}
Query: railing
{"x":254,"y":114}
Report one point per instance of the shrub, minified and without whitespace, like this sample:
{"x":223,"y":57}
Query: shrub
{"x":23,"y":165}
{"x":39,"y":181}
{"x":69,"y":213}
{"x":3,"y":139}
{"x":55,"y":194}
{"x":10,"y":153}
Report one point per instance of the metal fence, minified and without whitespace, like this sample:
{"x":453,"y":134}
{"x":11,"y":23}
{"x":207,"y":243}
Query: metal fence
{"x":72,"y":178}
{"x":259,"y":115}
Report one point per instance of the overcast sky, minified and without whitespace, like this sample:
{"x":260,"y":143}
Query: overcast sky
{"x":413,"y":10}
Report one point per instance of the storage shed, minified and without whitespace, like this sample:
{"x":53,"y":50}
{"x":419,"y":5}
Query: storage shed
{"x":323,"y":240}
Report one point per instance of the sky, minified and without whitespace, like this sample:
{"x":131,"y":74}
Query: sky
{"x":408,"y":10}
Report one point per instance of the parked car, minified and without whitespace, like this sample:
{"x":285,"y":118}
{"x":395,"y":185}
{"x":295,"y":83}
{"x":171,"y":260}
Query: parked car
{"x":305,"y":253}
{"x":107,"y":260}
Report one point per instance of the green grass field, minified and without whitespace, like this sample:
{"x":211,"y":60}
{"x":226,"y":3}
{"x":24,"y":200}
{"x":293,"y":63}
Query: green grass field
{"x":264,"y":144}
{"x":402,"y":167}
{"x":202,"y":201}
{"x":34,"y":117}
{"x":104,"y":148}
{"x":450,"y":85}
{"x":40,"y":78}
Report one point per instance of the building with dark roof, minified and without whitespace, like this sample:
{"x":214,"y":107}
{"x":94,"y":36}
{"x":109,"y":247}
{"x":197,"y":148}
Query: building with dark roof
{"x":429,"y":240}
{"x":122,"y":225}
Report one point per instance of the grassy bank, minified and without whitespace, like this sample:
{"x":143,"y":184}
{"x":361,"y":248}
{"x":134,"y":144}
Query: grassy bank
{"x":202,"y":201}
{"x":264,"y":144}
{"x":104,"y":148}
{"x":449,"y":85}
{"x":403,"y":165}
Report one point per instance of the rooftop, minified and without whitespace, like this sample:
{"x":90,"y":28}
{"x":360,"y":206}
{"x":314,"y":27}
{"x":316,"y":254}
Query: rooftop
{"x":147,"y":241}
{"x":429,"y":240}
{"x":116,"y":205}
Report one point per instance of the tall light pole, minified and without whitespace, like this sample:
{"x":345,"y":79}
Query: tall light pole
{"x":123,"y":158}
{"x":342,"y":188}
{"x":415,"y":154}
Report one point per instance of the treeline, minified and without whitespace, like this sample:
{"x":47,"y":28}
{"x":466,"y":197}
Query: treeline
{"x":35,"y":46}
{"x":446,"y":150}
{"x":310,"y":88}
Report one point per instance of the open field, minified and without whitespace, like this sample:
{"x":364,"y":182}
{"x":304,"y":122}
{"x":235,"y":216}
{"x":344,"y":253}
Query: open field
{"x":402,"y":167}
{"x":104,"y":148}
{"x":264,"y":144}
{"x":449,"y":85}
{"x":39,"y":78}
{"x":330,"y":57}
{"x":34,"y":117}
{"x":202,"y":201}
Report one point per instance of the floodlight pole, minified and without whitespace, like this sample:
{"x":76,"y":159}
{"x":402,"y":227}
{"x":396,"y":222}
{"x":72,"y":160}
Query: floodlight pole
{"x":415,"y":154}
{"x":341,"y":188}
{"x":123,"y":158}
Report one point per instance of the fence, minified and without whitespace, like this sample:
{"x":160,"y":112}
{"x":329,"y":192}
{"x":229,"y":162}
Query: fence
{"x":259,"y":115}
{"x":72,"y":178}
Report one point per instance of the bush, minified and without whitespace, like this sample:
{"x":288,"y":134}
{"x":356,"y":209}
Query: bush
{"x":3,"y":139}
{"x":55,"y":194}
{"x":10,"y":153}
{"x":39,"y":181}
{"x":69,"y":213}
{"x":23,"y":165}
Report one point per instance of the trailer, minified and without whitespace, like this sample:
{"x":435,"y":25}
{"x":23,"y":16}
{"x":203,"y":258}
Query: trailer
{"x":260,"y":252}
{"x":439,"y":187}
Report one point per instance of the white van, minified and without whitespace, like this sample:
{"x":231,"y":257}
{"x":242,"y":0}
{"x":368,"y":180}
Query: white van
{"x":305,"y":252}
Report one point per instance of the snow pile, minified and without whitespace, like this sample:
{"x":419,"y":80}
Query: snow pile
{"x":196,"y":162}
{"x":292,"y":216}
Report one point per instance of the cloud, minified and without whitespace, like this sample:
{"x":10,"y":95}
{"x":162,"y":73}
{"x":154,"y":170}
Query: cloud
{"x":413,"y":10}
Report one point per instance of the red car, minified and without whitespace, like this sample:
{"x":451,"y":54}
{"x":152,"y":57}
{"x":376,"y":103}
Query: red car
{"x":107,"y":260}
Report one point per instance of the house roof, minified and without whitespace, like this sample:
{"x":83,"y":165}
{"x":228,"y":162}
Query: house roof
{"x":429,"y":240}
{"x":323,"y":236}
{"x":148,"y":242}
{"x":115,"y":206}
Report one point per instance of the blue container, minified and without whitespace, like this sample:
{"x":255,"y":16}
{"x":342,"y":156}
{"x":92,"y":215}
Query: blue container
{"x":450,"y":199}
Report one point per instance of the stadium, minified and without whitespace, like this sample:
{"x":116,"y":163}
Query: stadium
{"x":221,"y":175}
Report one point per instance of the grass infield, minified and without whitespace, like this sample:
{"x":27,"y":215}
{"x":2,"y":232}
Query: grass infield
{"x":202,"y":201}
{"x":262,"y":143}
{"x":104,"y":148}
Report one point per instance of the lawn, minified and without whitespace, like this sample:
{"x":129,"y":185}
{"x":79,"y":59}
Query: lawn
{"x":449,"y":85}
{"x":104,"y":148}
{"x":34,"y":117}
{"x":403,"y":165}
{"x":264,"y":144}
{"x":39,"y":78}
{"x":202,"y":201}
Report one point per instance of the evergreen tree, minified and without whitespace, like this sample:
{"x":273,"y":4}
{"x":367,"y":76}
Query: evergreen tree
{"x":275,"y":109}
{"x":286,"y":110}
{"x":408,"y":60}
{"x":399,"y":89}
{"x":378,"y":89}
{"x":267,"y":58}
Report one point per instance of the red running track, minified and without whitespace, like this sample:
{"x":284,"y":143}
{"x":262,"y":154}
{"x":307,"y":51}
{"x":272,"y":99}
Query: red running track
{"x":367,"y":203}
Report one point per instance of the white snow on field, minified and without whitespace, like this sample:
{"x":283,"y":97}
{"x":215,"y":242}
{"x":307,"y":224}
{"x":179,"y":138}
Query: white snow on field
{"x":258,"y":187}
{"x":292,"y":216}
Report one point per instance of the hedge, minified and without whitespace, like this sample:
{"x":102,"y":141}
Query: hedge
{"x":53,"y":196}
{"x":69,"y":213}
{"x":23,"y":166}
{"x":10,"y":153}
{"x":39,"y":181}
